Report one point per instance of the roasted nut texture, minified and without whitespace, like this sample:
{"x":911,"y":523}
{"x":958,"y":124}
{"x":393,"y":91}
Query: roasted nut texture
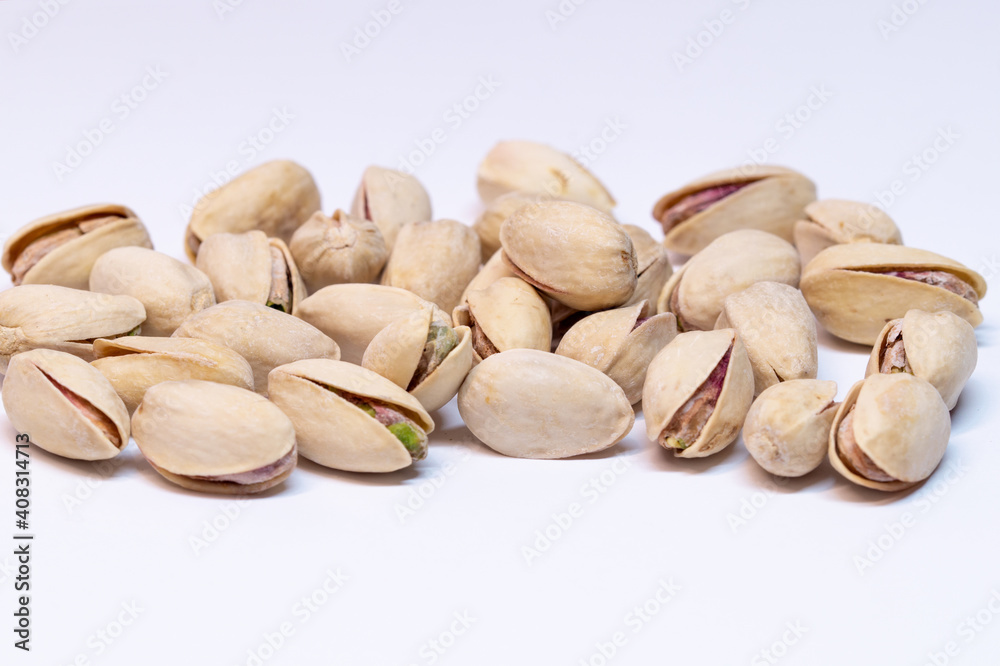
{"x":508,"y":314}
{"x":836,"y":221}
{"x":338,"y":248}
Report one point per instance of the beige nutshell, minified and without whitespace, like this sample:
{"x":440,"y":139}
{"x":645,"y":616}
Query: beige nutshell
{"x":168,"y":289}
{"x":349,"y":418}
{"x":133,"y":364}
{"x":855,"y":289}
{"x":697,"y":393}
{"x":488,"y":224}
{"x":61,"y":249}
{"x":435,"y":260}
{"x":527,"y":403}
{"x":338,"y":248}
{"x":574,"y":253}
{"x":494,"y":269}
{"x":252,"y":267}
{"x":64,"y":405}
{"x":890,"y":432}
{"x":275,"y":197}
{"x":652,"y":265}
{"x":390,"y":199}
{"x":64,"y":319}
{"x":788,"y":426}
{"x":263,"y":336}
{"x":214,"y":438}
{"x":778,"y":330}
{"x":732,"y":262}
{"x":837,"y":221}
{"x":620,"y":343}
{"x":939,"y":348}
{"x":508,"y":314}
{"x":764,"y":197}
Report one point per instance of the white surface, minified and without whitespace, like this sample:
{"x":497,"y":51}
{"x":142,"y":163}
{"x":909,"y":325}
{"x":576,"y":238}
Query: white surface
{"x":881,"y":100}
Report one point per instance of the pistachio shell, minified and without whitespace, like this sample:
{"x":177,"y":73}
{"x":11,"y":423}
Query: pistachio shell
{"x":527,"y":403}
{"x":241,"y":267}
{"x":652,"y":265}
{"x":510,"y":315}
{"x":65,"y":405}
{"x":390,"y":199}
{"x":492,"y":270}
{"x":338,"y":248}
{"x":488,"y":224}
{"x":836,"y":221}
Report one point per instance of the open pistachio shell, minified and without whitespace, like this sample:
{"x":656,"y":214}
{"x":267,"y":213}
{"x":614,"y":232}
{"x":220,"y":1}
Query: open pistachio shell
{"x":854,"y":289}
{"x":788,"y":426}
{"x":133,"y":364}
{"x":339,"y":411}
{"x":527,"y":403}
{"x":214,"y":438}
{"x":488,"y":224}
{"x":508,"y":314}
{"x":66,"y":406}
{"x":494,"y":269}
{"x":620,"y":343}
{"x":890,"y":432}
{"x":390,"y":199}
{"x":697,"y":392}
{"x":338,"y":248}
{"x":836,"y":221}
{"x":61,"y":249}
{"x":939,"y":348}
{"x":652,"y":265}
{"x":769,"y":198}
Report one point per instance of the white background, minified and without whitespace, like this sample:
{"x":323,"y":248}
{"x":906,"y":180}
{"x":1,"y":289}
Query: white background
{"x":879,"y":98}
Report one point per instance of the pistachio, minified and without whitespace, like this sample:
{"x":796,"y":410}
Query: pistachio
{"x":508,"y":314}
{"x":836,"y":221}
{"x":527,"y":403}
{"x":652,"y":265}
{"x":339,"y":248}
{"x":214,"y":438}
{"x":492,"y":270}
{"x":65,"y":405}
{"x":390,"y":199}
{"x":488,"y":224}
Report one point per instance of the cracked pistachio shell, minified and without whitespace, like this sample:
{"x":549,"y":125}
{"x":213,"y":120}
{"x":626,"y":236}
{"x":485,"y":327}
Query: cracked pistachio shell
{"x":940,"y":348}
{"x":353,"y":314}
{"x":214,"y":438}
{"x":66,"y":406}
{"x":535,"y":168}
{"x":836,"y":221}
{"x":335,"y":433}
{"x":494,"y":269}
{"x":652,"y":265}
{"x":265,"y":337}
{"x":53,"y":317}
{"x":168,"y":289}
{"x":852,"y":299}
{"x":731,"y":263}
{"x":133,"y":364}
{"x":680,"y":370}
{"x":488,"y":224}
{"x":390,"y":199}
{"x":61,"y":249}
{"x":395,"y":353}
{"x":527,"y":403}
{"x":435,"y":260}
{"x":788,"y":426}
{"x":275,"y":197}
{"x":901,"y":425}
{"x":241,"y":267}
{"x":778,"y":330}
{"x":574,"y":253}
{"x":620,"y":343}
{"x":510,"y":314}
{"x":771,"y":199}
{"x":338,"y":248}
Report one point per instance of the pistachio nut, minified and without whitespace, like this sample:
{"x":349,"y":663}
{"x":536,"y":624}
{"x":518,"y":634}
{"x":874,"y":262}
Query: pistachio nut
{"x":61,"y":249}
{"x":778,"y":330}
{"x":527,"y":403}
{"x":508,"y":314}
{"x":765,"y":197}
{"x":265,"y":337}
{"x":492,"y":270}
{"x":214,"y":438}
{"x":731,"y":263}
{"x":69,"y":320}
{"x":338,"y":248}
{"x":939,"y":348}
{"x":488,"y":224}
{"x":390,"y":199}
{"x":133,"y":364}
{"x":275,"y":197}
{"x":65,"y":405}
{"x":350,"y":418}
{"x":890,"y":432}
{"x":435,"y":260}
{"x":252,"y":267}
{"x":854,"y":289}
{"x":697,"y":392}
{"x":535,"y":168}
{"x":574,"y":253}
{"x":836,"y":221}
{"x":652,"y":265}
{"x":170,"y":290}
{"x":788,"y":426}
{"x":620,"y":343}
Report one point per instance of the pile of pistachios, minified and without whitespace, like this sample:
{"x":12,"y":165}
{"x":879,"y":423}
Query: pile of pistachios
{"x":335,"y":337}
